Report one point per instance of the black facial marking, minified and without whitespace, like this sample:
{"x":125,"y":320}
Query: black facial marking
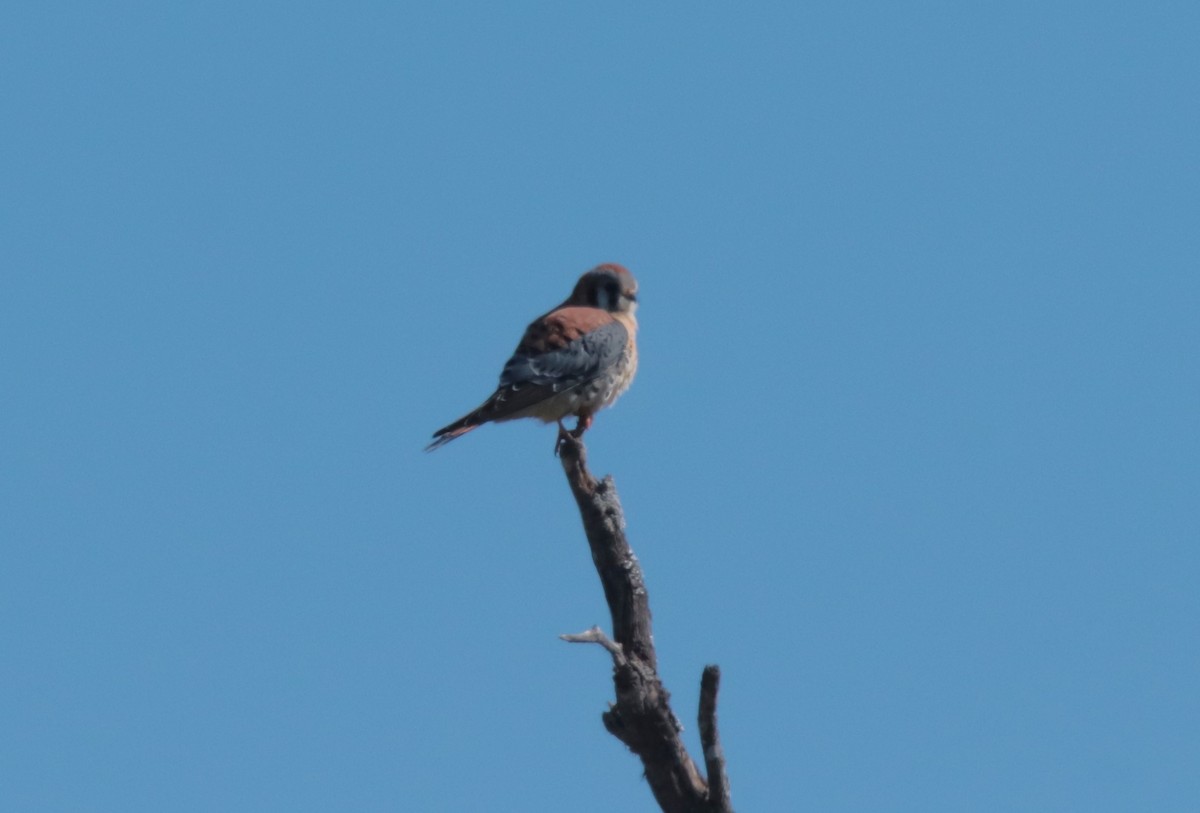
{"x":614,"y":294}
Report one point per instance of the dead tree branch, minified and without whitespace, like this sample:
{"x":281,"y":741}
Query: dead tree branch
{"x":714,"y":756}
{"x":642,"y":717}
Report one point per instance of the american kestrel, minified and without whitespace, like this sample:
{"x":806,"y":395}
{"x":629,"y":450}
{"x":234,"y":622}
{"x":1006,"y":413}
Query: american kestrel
{"x":574,"y":360}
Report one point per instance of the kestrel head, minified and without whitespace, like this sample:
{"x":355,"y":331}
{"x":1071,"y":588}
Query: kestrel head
{"x":609,"y":287}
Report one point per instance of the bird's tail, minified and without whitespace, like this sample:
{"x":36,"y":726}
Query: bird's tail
{"x":457,"y":429}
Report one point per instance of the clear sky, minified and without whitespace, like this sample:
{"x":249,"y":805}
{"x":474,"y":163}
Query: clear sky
{"x":913,"y":454}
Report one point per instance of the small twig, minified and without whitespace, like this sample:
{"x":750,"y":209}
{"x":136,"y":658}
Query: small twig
{"x":714,"y":756}
{"x":596,"y":636}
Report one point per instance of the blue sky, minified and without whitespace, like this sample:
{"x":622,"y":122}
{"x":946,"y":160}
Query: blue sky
{"x":912,"y":453}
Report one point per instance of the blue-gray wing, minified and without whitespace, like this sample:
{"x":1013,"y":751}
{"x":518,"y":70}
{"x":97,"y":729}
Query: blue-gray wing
{"x":557,"y":365}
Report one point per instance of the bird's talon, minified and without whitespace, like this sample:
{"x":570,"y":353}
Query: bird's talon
{"x":563,"y":434}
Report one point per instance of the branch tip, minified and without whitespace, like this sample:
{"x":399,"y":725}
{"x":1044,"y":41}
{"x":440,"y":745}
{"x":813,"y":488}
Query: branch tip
{"x":710,"y":741}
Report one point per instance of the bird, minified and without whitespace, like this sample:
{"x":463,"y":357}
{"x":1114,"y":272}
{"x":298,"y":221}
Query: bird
{"x":573,"y":360}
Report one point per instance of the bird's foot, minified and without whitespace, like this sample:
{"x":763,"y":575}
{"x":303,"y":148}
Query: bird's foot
{"x":585,"y":423}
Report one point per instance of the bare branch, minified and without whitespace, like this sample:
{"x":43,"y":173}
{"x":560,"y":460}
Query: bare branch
{"x":620,"y":572}
{"x":710,"y":741}
{"x":641,"y":717}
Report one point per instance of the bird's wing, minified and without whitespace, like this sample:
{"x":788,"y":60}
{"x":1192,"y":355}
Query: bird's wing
{"x":565,"y":348}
